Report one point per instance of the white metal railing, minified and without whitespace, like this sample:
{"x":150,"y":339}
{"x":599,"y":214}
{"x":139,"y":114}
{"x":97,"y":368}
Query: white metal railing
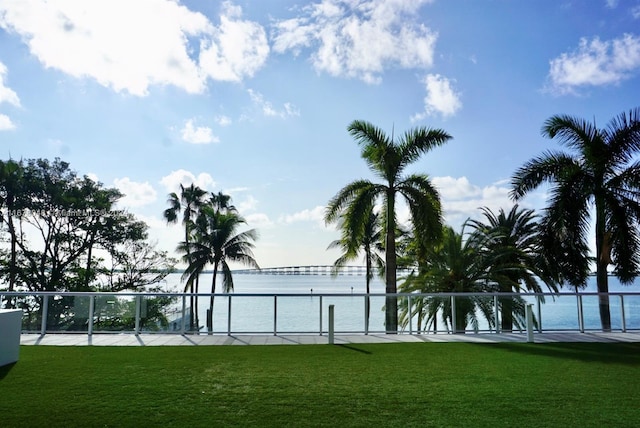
{"x":51,"y":312}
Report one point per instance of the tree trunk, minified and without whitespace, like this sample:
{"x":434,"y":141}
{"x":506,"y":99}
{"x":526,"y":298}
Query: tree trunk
{"x":603,"y":249}
{"x":368,"y":302}
{"x":213,"y":291}
{"x":194,"y":305}
{"x":391,"y":302}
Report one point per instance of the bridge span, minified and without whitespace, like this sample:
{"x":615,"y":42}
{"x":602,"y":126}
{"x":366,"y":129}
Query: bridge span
{"x":309,"y":270}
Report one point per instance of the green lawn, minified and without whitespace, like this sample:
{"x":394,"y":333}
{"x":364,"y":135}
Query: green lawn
{"x":422,"y":385}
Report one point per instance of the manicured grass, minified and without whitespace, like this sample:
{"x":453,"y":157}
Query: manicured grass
{"x":422,"y":385}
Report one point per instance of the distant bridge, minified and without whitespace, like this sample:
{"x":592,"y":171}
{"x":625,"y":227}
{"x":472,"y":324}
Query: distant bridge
{"x":310,"y":270}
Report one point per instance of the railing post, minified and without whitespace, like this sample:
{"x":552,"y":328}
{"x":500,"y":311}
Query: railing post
{"x":275,"y":315}
{"x":45,"y":314}
{"x":183,"y":323}
{"x":320,"y":315}
{"x":137,"y":328}
{"x":410,"y":315}
{"x":453,"y":314}
{"x":229,"y":315}
{"x":624,"y":321}
{"x":91,"y":311}
{"x":538,"y":298}
{"x":331,"y":320}
{"x":366,"y":313}
{"x":529,"y":319}
{"x":495,"y":314}
{"x":580,"y":315}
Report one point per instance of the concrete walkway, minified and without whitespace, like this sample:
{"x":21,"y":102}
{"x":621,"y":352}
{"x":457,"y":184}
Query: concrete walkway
{"x":107,"y":339}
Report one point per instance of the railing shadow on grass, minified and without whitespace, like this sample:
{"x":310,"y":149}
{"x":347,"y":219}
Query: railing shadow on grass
{"x":601,"y":352}
{"x":4,"y":370}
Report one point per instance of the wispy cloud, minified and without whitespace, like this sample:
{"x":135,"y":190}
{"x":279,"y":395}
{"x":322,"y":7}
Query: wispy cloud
{"x":223,"y":120}
{"x":314,"y":215}
{"x":268,"y":109}
{"x":358,"y":39}
{"x":595,"y":63}
{"x":5,"y":123}
{"x":9,"y":96}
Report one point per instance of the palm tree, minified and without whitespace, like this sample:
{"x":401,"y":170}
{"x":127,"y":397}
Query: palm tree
{"x":357,"y":238}
{"x":388,"y":159}
{"x":513,"y":241}
{"x":600,"y":178}
{"x":455,"y":265}
{"x":216,"y":242}
{"x":189,"y":202}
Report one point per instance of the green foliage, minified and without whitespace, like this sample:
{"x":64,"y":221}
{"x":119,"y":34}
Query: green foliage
{"x":387,"y":158}
{"x":65,"y":235}
{"x":599,"y":176}
{"x":435,"y":385}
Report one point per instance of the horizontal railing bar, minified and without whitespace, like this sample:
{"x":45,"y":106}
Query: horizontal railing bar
{"x":345,"y":294}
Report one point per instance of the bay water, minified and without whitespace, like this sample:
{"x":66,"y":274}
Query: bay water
{"x":268,"y":303}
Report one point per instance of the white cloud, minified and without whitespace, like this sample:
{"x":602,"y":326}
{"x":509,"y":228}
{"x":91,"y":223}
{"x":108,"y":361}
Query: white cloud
{"x":198,"y":134}
{"x":5,"y":123}
{"x":223,"y":120}
{"x":267,"y":108}
{"x":131,"y":45}
{"x":635,"y":12}
{"x":236,"y":49}
{"x":461,"y":199}
{"x":315,"y":215}
{"x":358,"y":39}
{"x":248,"y":204}
{"x":258,"y":220}
{"x":611,"y":4}
{"x":7,"y":95}
{"x":136,"y":194}
{"x":595,"y":63}
{"x":173,"y":181}
{"x":441,"y":98}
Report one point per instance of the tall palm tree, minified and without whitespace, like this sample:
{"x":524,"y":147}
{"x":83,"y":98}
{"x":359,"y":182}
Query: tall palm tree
{"x":189,"y":202}
{"x":600,"y":177}
{"x":513,"y":241}
{"x":216,"y":242}
{"x":388,"y":159}
{"x":360,"y":238}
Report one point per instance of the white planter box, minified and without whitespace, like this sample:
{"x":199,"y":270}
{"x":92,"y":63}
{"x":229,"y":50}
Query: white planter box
{"x":10,"y":328}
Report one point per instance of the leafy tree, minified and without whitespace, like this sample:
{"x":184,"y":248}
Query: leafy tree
{"x":388,"y":159}
{"x":599,"y":178}
{"x":61,"y":227}
{"x":10,"y":191}
{"x":357,"y":238}
{"x":513,"y":241}
{"x":216,"y":241}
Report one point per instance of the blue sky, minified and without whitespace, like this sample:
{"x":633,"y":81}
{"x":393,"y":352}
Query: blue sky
{"x":253,"y":98}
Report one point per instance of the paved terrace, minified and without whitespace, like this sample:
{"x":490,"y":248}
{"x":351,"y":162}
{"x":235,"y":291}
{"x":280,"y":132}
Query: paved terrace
{"x":110,"y":339}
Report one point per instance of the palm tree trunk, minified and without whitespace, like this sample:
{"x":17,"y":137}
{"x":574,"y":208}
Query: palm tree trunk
{"x":507,"y":312}
{"x":602,"y":261}
{"x":368,"y":302}
{"x":213,"y":290}
{"x":391,"y":303}
{"x":194,"y":305}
